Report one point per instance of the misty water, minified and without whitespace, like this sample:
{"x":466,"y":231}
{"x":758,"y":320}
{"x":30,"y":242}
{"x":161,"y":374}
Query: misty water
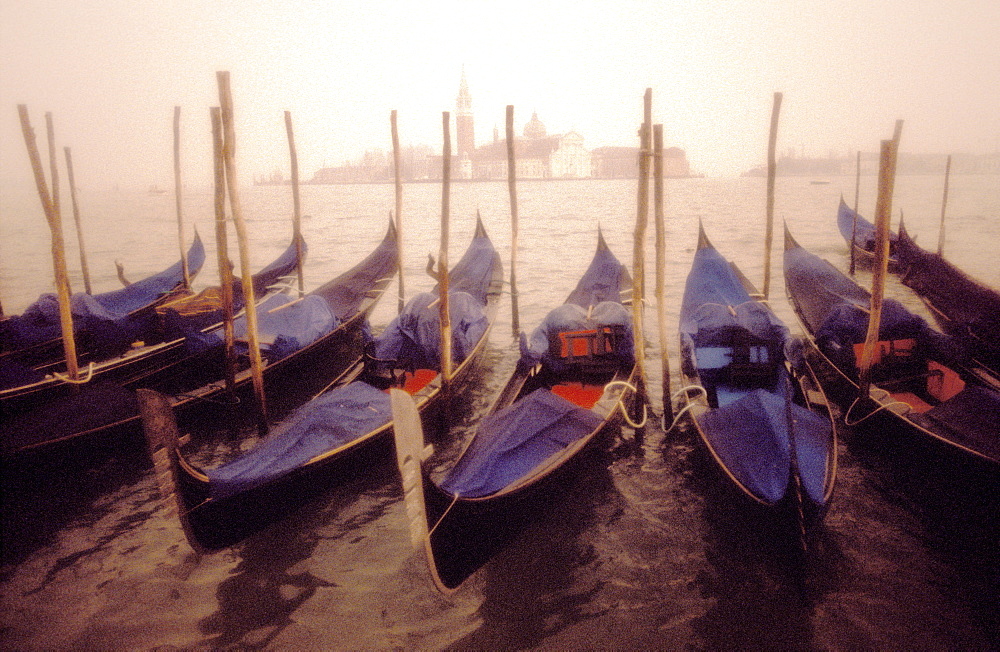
{"x":646,"y":547}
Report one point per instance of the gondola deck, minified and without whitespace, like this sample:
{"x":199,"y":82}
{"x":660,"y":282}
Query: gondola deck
{"x":217,"y":507}
{"x":547,"y":414}
{"x":764,"y":420}
{"x":922,"y":387}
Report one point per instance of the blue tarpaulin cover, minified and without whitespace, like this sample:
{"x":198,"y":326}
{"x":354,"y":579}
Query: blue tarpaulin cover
{"x":570,"y":317}
{"x":835,"y":309}
{"x":515,"y":440}
{"x":324,"y":424}
{"x":284,"y":325}
{"x":107,"y":312}
{"x":863,"y":230}
{"x":512,"y":442}
{"x":414,"y":337}
{"x":748,"y":430}
{"x":750,"y":435}
{"x":348,"y":412}
{"x":716,"y":309}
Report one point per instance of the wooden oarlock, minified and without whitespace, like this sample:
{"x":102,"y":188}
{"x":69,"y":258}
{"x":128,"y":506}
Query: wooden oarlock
{"x":229,"y":154}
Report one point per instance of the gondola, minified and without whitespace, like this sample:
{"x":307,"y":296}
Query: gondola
{"x":919,"y":379}
{"x":108,"y":405}
{"x":150,"y":348}
{"x":569,"y":382}
{"x":350,"y":422}
{"x":851,"y":224}
{"x":962,"y":306}
{"x":752,"y":396}
{"x":34,"y":337}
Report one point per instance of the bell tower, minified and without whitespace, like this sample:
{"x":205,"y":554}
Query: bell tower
{"x":463,"y":119}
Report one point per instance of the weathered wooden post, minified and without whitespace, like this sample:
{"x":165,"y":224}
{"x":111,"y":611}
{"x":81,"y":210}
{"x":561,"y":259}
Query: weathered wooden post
{"x":772,"y":171}
{"x":661,"y":269}
{"x":50,"y":206}
{"x":639,"y":249}
{"x":222,"y":251}
{"x":944,"y":207}
{"x":399,"y":206}
{"x":296,"y":203}
{"x":883,"y":212}
{"x":178,"y":192}
{"x":854,"y":220}
{"x":229,"y":153}
{"x":512,"y":190}
{"x":445,"y":314}
{"x":76,"y":219}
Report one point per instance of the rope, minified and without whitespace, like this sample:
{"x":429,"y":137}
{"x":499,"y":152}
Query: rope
{"x":882,"y":406}
{"x":620,"y":404}
{"x":453,"y":501}
{"x":685,"y":409}
{"x":79,"y":381}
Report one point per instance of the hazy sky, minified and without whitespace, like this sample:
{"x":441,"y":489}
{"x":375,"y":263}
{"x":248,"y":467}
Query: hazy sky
{"x":111,"y":72}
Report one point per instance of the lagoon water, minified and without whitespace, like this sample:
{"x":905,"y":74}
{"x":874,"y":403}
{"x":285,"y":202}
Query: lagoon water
{"x":647,"y":547}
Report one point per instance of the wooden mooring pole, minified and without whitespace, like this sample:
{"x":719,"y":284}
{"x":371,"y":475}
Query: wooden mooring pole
{"x":76,"y":219}
{"x":445,"y":314}
{"x":512,"y":190}
{"x":296,"y":202}
{"x":50,"y":206}
{"x":178,"y":194}
{"x":222,"y":252}
{"x":398,"y":217}
{"x":229,"y":154}
{"x":772,"y":170}
{"x":883,"y":212}
{"x":661,"y":270}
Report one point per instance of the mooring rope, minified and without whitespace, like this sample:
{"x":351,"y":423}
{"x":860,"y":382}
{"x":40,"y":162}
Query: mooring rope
{"x":620,"y":404}
{"x":685,"y":409}
{"x":79,"y":381}
{"x":882,"y":406}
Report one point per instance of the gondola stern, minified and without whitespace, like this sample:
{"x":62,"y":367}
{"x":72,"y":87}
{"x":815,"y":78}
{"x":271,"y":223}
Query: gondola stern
{"x":703,"y":241}
{"x":163,"y":444}
{"x":410,"y":454}
{"x":790,"y":242}
{"x":480,"y":229}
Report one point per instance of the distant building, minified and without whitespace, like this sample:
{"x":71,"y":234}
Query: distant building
{"x":538,"y":156}
{"x":790,"y":165}
{"x":623,"y":163}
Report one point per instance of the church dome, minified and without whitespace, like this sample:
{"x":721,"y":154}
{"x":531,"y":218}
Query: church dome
{"x":534,"y":128}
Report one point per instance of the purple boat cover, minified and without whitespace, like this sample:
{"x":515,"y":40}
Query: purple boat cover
{"x":512,"y":442}
{"x":413,"y":337}
{"x":750,"y":435}
{"x":324,"y":424}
